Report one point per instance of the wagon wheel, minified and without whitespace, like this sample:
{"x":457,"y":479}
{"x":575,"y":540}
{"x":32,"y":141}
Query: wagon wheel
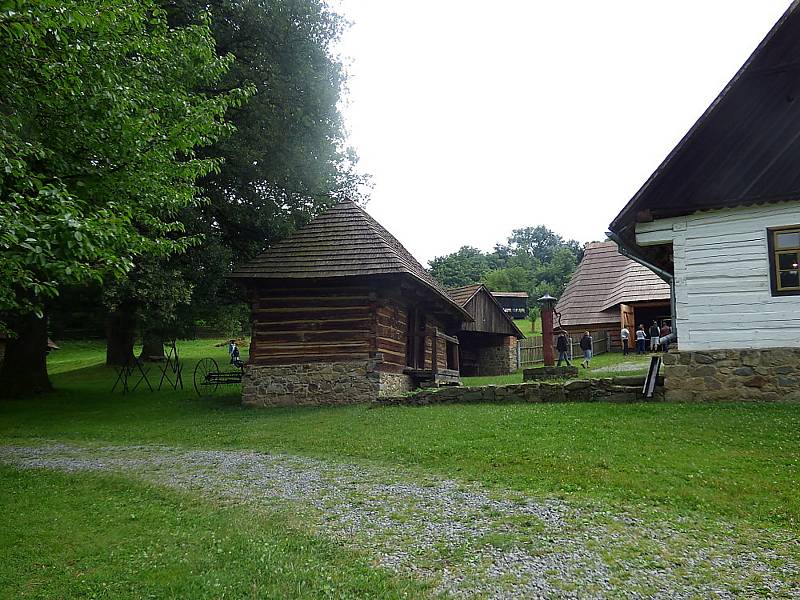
{"x":205,"y":377}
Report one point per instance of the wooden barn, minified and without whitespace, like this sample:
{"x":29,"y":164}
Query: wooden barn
{"x":720,"y":218}
{"x":513,"y":303}
{"x":488,"y":343}
{"x":609,"y":290}
{"x":342,"y":313}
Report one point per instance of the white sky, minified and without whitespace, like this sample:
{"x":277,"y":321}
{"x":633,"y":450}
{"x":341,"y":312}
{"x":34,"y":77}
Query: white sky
{"x":476,"y":118}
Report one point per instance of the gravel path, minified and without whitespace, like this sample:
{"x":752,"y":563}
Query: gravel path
{"x":469,"y":541}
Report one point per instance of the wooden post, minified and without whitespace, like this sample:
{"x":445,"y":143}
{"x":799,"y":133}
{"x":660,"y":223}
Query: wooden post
{"x":434,"y":361}
{"x":547,"y":336}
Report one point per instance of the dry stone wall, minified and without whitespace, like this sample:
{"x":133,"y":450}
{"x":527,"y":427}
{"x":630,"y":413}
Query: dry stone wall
{"x":616,"y":389}
{"x":733,"y":375}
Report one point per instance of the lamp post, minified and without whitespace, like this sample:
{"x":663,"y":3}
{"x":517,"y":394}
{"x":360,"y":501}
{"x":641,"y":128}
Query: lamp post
{"x":548,"y":304}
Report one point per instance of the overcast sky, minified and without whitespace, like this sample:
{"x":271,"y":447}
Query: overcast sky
{"x":476,"y":118}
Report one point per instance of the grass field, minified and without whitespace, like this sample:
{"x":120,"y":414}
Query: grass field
{"x":740,"y":462}
{"x":528,"y":327}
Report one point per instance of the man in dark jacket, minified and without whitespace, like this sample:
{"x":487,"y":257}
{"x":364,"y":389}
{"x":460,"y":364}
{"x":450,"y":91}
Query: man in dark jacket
{"x":655,"y":333}
{"x":586,"y":346}
{"x":562,"y":345}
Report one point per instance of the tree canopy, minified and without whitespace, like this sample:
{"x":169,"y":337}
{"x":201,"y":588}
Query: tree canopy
{"x":533,"y":259}
{"x":97,"y":140}
{"x":285,"y":161}
{"x":101,"y":119}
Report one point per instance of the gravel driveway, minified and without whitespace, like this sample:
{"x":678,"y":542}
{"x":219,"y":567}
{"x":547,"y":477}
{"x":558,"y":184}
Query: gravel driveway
{"x":469,"y":541}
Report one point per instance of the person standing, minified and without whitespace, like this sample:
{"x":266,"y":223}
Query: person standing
{"x":641,"y":340}
{"x":655,"y":333}
{"x":665,"y":331}
{"x":624,"y":335}
{"x":586,"y":346}
{"x":562,"y":345}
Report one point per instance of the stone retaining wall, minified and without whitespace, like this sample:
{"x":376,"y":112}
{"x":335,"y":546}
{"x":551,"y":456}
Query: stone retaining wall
{"x":731,"y":375}
{"x":617,"y":389}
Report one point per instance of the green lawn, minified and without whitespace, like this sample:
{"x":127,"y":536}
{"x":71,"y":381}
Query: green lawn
{"x":735,"y":459}
{"x":93,"y":536}
{"x":740,"y":462}
{"x":603,"y":365}
{"x":528,"y":327}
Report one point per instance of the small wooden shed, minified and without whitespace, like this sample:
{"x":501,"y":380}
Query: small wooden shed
{"x":488,"y":343}
{"x":515,"y":304}
{"x":342,"y":313}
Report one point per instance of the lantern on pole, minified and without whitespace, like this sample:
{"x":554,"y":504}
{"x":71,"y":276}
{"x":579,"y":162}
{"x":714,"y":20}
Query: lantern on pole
{"x":548,"y":304}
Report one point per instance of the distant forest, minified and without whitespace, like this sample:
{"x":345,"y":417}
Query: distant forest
{"x":533,"y":259}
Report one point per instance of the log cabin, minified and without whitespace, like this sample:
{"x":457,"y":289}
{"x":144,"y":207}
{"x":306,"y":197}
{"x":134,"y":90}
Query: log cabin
{"x":488,"y":343}
{"x":342,"y":313}
{"x":609,"y":291}
{"x":719,"y":220}
{"x":513,"y":303}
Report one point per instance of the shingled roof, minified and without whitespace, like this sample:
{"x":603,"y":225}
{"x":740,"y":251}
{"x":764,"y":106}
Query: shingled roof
{"x":464,"y":294}
{"x":744,"y":149}
{"x":343,"y":241}
{"x":604,"y":279}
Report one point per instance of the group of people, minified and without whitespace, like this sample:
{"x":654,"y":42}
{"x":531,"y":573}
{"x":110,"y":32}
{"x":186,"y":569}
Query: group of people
{"x":655,"y":334}
{"x":563,"y":344}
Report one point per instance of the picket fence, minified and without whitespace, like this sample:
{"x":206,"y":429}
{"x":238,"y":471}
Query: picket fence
{"x":530,"y":351}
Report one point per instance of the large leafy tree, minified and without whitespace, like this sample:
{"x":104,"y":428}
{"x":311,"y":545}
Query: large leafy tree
{"x":534,"y":259}
{"x":286,"y":161}
{"x":468,"y":265}
{"x":99,"y":121}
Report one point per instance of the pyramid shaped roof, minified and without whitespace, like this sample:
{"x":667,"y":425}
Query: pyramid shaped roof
{"x":343,"y":241}
{"x":603,"y":280}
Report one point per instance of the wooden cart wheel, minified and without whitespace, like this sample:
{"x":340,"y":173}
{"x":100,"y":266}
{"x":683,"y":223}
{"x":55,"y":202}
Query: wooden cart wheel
{"x":206,"y":375}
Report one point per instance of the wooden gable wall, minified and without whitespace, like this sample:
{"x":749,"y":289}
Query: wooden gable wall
{"x":489,"y":316}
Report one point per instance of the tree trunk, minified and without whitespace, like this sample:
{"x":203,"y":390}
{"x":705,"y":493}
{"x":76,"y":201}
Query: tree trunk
{"x":24,"y":367}
{"x":120,"y":336}
{"x":152,"y":346}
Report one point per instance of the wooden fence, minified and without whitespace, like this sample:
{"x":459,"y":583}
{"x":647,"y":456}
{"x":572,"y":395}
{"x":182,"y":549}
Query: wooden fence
{"x":530,"y":351}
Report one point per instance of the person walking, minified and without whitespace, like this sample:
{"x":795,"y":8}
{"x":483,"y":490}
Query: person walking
{"x":665,"y":331}
{"x":586,"y":346}
{"x":562,"y":345}
{"x":641,"y":340}
{"x":655,"y":333}
{"x":624,"y":335}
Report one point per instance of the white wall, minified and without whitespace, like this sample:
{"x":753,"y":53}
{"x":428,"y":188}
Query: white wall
{"x":722,"y":285}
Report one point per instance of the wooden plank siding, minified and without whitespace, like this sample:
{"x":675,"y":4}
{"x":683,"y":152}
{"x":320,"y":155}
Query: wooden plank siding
{"x":722,"y":271}
{"x":311,"y":324}
{"x":335,"y":323}
{"x":488,"y":316}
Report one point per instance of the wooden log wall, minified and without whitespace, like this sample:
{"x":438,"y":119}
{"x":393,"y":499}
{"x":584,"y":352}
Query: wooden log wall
{"x":392,"y":335}
{"x":312,"y":324}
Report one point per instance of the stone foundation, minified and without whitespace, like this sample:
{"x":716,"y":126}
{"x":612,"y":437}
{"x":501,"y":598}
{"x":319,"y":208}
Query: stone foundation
{"x":320,"y":384}
{"x":771,"y":374}
{"x":500,"y":359}
{"x":310,"y":384}
{"x":393,"y":384}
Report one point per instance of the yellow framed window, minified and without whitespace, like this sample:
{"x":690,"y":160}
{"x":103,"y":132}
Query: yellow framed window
{"x":784,"y":258}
